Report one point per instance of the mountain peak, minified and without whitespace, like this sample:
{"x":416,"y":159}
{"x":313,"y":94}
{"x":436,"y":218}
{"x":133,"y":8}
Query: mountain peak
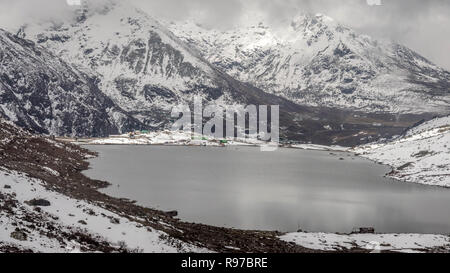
{"x":43,"y":93}
{"x":316,"y":61}
{"x":144,"y":68}
{"x":309,"y":18}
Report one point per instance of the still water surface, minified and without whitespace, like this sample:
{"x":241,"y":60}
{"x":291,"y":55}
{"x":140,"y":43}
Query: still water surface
{"x":287,"y":190}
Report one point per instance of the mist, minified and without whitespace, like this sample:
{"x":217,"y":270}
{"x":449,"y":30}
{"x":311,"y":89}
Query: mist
{"x":424,"y":26}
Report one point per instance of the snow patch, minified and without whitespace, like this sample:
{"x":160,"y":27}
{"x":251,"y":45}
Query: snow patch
{"x":407,"y":243}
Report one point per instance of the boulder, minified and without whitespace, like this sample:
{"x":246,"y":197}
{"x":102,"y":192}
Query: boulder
{"x":38,"y":203}
{"x":172,"y":213}
{"x":19,"y":235}
{"x":364,"y":230}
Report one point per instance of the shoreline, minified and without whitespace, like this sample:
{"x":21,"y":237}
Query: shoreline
{"x":332,"y":151}
{"x":306,"y":147}
{"x":58,"y":167}
{"x":109,"y":224}
{"x":67,"y":162}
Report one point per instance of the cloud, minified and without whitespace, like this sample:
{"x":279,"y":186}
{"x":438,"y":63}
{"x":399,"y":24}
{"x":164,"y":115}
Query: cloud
{"x":421,"y":25}
{"x":14,"y":13}
{"x":214,"y":13}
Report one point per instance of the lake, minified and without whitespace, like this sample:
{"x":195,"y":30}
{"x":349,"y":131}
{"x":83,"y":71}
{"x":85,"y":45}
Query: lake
{"x":286,"y":190}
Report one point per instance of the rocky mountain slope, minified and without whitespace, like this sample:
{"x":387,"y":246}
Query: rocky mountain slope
{"x":141,"y":65}
{"x":421,"y":155}
{"x":43,"y":93}
{"x":146,"y":70}
{"x":316,"y":61}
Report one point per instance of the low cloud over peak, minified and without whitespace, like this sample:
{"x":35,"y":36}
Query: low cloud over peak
{"x":421,"y":25}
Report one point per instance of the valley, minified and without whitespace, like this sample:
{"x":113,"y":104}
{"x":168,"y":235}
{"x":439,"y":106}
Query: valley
{"x":62,"y":210}
{"x":89,"y":161}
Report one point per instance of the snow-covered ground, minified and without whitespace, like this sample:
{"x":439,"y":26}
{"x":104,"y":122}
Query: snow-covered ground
{"x":170,"y":138}
{"x":373,"y":242}
{"x":316,"y":147}
{"x":421,"y":155}
{"x":185,"y":138}
{"x":69,"y":216}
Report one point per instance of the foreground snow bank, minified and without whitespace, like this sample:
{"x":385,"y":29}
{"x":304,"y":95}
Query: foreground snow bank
{"x":372,"y":242}
{"x":421,"y":155}
{"x":68,"y":225}
{"x":53,"y":228}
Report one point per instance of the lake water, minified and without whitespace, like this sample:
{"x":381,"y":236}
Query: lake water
{"x":286,"y":190}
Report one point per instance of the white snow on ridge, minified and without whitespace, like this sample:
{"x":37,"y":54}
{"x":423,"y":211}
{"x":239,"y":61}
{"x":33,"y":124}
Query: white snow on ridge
{"x":407,"y":243}
{"x":422,"y":155}
{"x":129,"y":51}
{"x":314,"y":60}
{"x":315,"y":147}
{"x":435,"y":123}
{"x":171,"y":138}
{"x":185,"y":138}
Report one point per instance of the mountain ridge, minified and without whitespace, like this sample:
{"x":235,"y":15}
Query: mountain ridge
{"x":314,"y":60}
{"x":39,"y":91}
{"x":145,"y":69}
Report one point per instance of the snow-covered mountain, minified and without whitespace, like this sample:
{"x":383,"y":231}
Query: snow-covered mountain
{"x":43,"y":93}
{"x":145,"y":69}
{"x":142,"y":66}
{"x":421,"y":155}
{"x":316,"y":61}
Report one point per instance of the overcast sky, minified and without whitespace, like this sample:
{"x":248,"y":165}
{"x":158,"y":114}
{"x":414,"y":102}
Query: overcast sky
{"x":423,"y":25}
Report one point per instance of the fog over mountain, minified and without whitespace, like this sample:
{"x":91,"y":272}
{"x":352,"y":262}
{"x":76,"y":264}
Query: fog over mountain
{"x":413,"y":23}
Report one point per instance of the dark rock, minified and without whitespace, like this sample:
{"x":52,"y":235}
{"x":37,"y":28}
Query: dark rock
{"x":115,"y":221}
{"x":38,"y":203}
{"x":364,"y":230}
{"x":19,"y":235}
{"x":348,"y":90}
{"x":7,"y":187}
{"x":82,"y":222}
{"x":422,"y":154}
{"x":172,"y":213}
{"x":90,"y":212}
{"x":405,"y":166}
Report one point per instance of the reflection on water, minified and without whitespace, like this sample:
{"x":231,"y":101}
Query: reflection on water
{"x":286,"y":190}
